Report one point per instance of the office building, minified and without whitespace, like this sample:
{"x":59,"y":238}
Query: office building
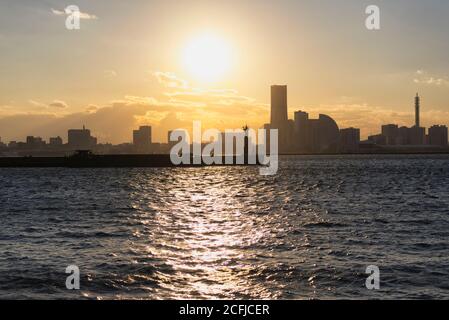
{"x":417,"y":136}
{"x":279,"y":114}
{"x":279,"y":117}
{"x":80,"y":139}
{"x":391,"y":133}
{"x":438,"y":136}
{"x":34,"y":142}
{"x":315,"y":135}
{"x":378,"y":139}
{"x":142,"y":139}
{"x":56,"y":141}
{"x":349,"y":139}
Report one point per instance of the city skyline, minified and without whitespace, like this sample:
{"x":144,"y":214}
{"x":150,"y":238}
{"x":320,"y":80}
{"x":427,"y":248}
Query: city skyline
{"x":300,"y":135}
{"x":279,"y":114}
{"x":360,"y":78}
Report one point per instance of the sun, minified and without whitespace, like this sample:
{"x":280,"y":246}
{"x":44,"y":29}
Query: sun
{"x":207,"y":58}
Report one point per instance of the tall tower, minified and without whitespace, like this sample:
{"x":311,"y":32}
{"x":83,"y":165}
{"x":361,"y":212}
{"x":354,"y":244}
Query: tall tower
{"x":279,"y":115}
{"x":417,"y":106}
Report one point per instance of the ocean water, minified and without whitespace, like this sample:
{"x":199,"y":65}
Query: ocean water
{"x":308,"y":232}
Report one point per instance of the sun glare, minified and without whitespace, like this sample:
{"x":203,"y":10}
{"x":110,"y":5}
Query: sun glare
{"x":207,"y":58}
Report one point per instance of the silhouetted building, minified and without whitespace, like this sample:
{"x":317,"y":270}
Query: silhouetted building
{"x":378,"y":139}
{"x":417,"y":136}
{"x":142,"y":139}
{"x":279,"y":114}
{"x":438,"y":136}
{"x":56,"y":141}
{"x":403,"y":136}
{"x":301,"y":130}
{"x":81,"y":139}
{"x":34,"y":142}
{"x":12,"y":144}
{"x":349,"y":139}
{"x":301,"y":134}
{"x":391,"y":133}
{"x":315,"y":135}
{"x":279,"y":117}
{"x":394,"y":135}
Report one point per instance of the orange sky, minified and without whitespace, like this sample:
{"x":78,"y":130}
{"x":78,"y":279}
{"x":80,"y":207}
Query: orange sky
{"x":133,"y":64}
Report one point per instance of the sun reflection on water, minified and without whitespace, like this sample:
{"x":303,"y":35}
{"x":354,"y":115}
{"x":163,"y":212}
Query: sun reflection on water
{"x":203,"y":236}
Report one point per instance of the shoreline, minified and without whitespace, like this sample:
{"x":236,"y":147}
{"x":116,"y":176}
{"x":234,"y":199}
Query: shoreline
{"x":159,"y":160}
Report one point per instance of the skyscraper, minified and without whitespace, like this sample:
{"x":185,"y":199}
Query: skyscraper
{"x":417,"y":106}
{"x":391,"y":132}
{"x":438,"y":136}
{"x":279,"y":115}
{"x":349,"y":139}
{"x":81,"y":139}
{"x":142,"y":139}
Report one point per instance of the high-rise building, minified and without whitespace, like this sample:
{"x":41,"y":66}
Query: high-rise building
{"x":56,"y":141}
{"x":34,"y":142}
{"x":315,"y":135}
{"x":279,"y":114}
{"x":349,"y":139}
{"x":279,"y":117}
{"x":301,"y":130}
{"x":438,"y":136}
{"x":378,"y":139}
{"x":409,"y":136}
{"x":391,"y":132}
{"x":417,"y":136}
{"x":142,"y":139}
{"x":417,"y":107}
{"x":81,"y":139}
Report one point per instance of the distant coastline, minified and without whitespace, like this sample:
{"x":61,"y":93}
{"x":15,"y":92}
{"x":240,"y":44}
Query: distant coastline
{"x":163,"y":160}
{"x":89,"y":160}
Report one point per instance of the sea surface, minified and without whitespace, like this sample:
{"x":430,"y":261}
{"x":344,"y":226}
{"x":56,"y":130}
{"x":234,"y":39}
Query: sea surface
{"x":308,"y":232}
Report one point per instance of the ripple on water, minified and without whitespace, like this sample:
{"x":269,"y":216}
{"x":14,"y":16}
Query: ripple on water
{"x":308,"y":232}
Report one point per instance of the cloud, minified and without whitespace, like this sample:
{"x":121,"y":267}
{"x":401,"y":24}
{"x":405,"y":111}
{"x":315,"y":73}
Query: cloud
{"x":110,"y":73}
{"x":55,"y":104}
{"x":180,"y":104}
{"x":178,"y":107}
{"x":83,"y":15}
{"x":170,"y":80}
{"x":222,"y":103}
{"x":423,"y":77}
{"x":37,"y":104}
{"x":58,"y":104}
{"x":91,"y":108}
{"x":6,"y":110}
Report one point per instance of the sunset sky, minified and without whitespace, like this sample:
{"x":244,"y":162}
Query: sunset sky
{"x":141,"y":62}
